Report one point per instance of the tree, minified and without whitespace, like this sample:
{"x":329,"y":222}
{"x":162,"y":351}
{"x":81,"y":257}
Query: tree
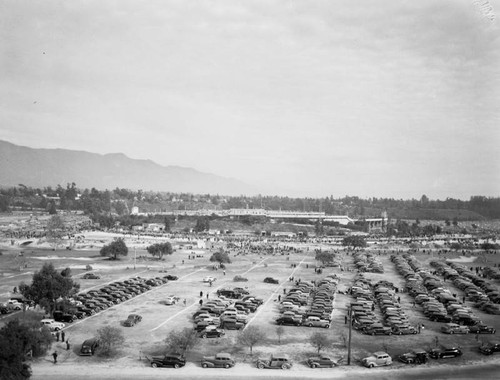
{"x":160,"y":249}
{"x":447,"y":222}
{"x":250,"y":337}
{"x":320,"y":341}
{"x":324,"y":257}
{"x":115,"y":248}
{"x":354,"y":241}
{"x":66,"y":272}
{"x":202,"y":224}
{"x":280,"y":330}
{"x":18,"y":340}
{"x":55,"y":230}
{"x":220,"y":257}
{"x":47,"y":286}
{"x":455,"y":221}
{"x":109,"y":338}
{"x":182,"y":341}
{"x":52,"y":208}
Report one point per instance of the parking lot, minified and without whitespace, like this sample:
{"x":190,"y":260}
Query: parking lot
{"x":147,"y":337}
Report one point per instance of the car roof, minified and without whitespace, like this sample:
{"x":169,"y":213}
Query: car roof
{"x":279,"y":355}
{"x":378,"y":353}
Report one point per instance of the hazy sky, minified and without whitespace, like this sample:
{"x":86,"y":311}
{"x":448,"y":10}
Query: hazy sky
{"x":368,"y":98}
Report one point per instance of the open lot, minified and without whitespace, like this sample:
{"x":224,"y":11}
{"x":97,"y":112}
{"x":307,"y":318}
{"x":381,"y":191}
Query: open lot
{"x":147,"y":337}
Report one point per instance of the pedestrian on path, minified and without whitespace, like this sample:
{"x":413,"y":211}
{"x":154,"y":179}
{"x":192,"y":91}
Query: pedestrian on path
{"x":62,"y":336}
{"x":184,"y":302}
{"x":54,"y":355}
{"x":201,"y":294}
{"x":57,"y":336}
{"x":67,"y":345}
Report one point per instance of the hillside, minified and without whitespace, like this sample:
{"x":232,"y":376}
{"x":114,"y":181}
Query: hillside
{"x":42,"y":167}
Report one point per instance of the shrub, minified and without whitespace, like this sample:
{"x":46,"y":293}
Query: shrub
{"x":240,"y":279}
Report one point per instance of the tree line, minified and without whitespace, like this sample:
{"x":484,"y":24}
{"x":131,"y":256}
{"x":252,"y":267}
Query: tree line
{"x":119,"y":201}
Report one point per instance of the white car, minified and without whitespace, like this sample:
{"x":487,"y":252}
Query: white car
{"x":209,"y":279}
{"x":52,"y":325}
{"x":170,"y":300}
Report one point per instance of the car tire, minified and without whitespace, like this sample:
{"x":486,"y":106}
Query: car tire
{"x":327,"y":326}
{"x":310,"y":325}
{"x":154,"y":365}
{"x":204,"y":365}
{"x":371,"y":365}
{"x":227,"y":366}
{"x":285,"y":366}
{"x":260,"y":366}
{"x":176,"y":365}
{"x":414,"y":332}
{"x":313,"y":365}
{"x":204,"y":336}
{"x":56,"y":329}
{"x":451,"y":332}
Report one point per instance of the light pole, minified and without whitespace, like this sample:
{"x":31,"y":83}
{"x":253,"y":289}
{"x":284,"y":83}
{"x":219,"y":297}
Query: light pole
{"x":350,"y":335}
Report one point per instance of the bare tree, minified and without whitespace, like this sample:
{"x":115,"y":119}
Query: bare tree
{"x":320,"y":341}
{"x":251,"y":336}
{"x":280,"y":331}
{"x":109,"y":338}
{"x":182,"y":340}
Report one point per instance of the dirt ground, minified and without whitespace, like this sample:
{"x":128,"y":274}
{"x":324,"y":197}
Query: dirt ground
{"x":147,"y":338}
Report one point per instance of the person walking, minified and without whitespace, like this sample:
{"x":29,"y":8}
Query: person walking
{"x":184,"y":302}
{"x":67,"y":345}
{"x":54,"y":355}
{"x":57,"y":336}
{"x":201,"y":294}
{"x":62,"y":336}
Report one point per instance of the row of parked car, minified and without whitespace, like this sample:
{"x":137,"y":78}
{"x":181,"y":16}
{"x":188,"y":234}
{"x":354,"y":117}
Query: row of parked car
{"x":309,"y":305}
{"x":367,"y":262}
{"x":93,"y":301}
{"x":477,"y":289}
{"x":225,"y":360}
{"x":223,"y":313}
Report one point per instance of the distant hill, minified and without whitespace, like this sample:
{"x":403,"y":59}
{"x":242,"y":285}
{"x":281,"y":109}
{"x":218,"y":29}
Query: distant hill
{"x":51,"y":167}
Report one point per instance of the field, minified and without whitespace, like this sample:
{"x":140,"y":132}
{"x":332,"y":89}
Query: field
{"x":147,"y":337}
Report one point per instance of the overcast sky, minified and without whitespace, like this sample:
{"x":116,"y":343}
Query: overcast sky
{"x":312,"y":98}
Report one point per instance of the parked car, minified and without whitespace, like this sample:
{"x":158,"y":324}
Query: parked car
{"x":90,"y":276}
{"x":414,"y":357}
{"x":321,"y":362}
{"x":209,"y":279}
{"x":288,"y":321}
{"x":482,"y":329}
{"x":170,"y":300}
{"x":169,"y":360}
{"x":445,"y":352}
{"x":211,"y":333}
{"x":453,"y":328}
{"x":59,"y":316}
{"x":489,"y":348}
{"x":316,"y":322}
{"x":171,"y":277}
{"x":270,"y":280}
{"x":89,"y":347}
{"x":281,"y":361}
{"x":132,"y":320}
{"x":232,"y":325}
{"x":52,"y":324}
{"x":377,"y":329}
{"x":404,"y":330}
{"x":220,"y":360}
{"x":377,"y":359}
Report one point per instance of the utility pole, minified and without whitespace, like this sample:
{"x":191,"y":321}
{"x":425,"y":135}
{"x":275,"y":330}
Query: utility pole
{"x":350,"y":334}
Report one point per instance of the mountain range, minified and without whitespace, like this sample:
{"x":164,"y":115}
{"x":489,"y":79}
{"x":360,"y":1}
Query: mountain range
{"x":52,"y":167}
